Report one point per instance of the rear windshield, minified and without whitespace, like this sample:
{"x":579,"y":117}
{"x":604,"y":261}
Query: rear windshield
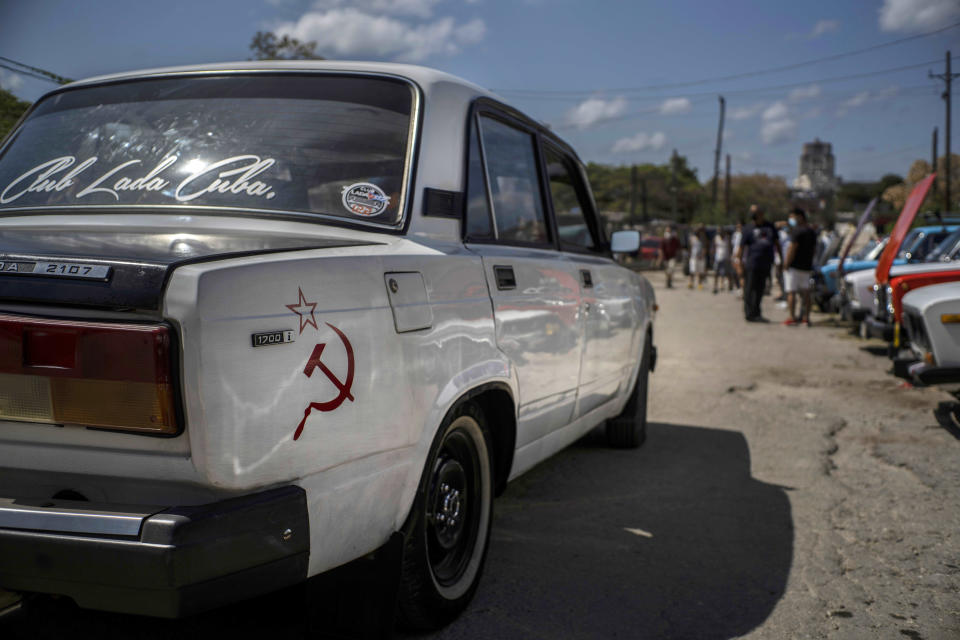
{"x":322,"y":144}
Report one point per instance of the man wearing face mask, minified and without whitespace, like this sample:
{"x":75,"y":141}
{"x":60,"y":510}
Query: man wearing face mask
{"x":799,"y":267}
{"x":755,"y":254}
{"x":667,"y":258}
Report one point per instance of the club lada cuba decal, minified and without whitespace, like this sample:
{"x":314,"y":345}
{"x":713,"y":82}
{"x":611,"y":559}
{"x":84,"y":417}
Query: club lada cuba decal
{"x":237,"y":175}
{"x":305,"y":311}
{"x":181,"y":180}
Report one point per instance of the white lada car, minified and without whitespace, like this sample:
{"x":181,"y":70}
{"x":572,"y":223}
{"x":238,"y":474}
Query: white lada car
{"x":258,"y":320}
{"x":931,"y":320}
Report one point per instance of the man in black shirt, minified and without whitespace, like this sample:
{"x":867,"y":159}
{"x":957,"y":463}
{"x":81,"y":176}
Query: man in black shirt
{"x":756,"y":256}
{"x":799,"y":266}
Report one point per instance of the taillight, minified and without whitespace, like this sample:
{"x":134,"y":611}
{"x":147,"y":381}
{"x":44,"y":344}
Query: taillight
{"x":94,"y":374}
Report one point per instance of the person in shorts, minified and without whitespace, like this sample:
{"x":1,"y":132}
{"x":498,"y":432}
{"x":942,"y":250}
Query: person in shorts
{"x":799,"y":267}
{"x":667,"y":256}
{"x":698,"y":256}
{"x":721,"y":261}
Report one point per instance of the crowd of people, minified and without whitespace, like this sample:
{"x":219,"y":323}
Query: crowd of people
{"x":746,"y":260}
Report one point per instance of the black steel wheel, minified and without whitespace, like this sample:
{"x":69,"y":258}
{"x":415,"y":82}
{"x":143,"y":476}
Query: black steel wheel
{"x":629,"y":429}
{"x":448,"y":529}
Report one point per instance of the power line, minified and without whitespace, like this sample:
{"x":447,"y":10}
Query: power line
{"x":749,"y":74}
{"x":24,"y":73}
{"x":37,"y":72}
{"x":790,"y":85}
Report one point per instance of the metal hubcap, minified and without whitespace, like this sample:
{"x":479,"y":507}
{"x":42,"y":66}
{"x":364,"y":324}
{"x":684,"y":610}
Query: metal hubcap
{"x":449,"y":503}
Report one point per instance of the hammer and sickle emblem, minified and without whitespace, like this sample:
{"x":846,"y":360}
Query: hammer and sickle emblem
{"x":344,"y":387}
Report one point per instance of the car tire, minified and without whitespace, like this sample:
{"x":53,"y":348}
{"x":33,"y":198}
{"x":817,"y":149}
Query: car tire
{"x":629,"y":429}
{"x":448,"y":530}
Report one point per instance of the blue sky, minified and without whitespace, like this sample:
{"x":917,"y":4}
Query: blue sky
{"x":592,"y":70}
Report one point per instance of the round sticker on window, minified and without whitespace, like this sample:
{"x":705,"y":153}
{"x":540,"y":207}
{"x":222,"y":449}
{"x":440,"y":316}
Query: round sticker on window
{"x":365,"y":199}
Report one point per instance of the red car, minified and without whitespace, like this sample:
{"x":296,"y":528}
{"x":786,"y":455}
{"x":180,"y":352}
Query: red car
{"x":649,"y":248}
{"x":901,"y":285}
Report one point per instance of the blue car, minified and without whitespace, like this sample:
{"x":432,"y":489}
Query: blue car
{"x":918,"y":243}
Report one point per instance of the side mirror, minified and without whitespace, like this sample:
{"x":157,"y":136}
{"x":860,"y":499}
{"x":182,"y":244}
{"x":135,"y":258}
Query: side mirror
{"x":626,"y":241}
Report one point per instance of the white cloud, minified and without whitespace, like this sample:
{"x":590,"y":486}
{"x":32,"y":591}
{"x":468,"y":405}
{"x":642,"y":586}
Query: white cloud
{"x":862,"y":98}
{"x":776,"y":111}
{"x":805,"y":93}
{"x":888,"y":92}
{"x":10,"y":81}
{"x":674,"y":106}
{"x":776,"y":131}
{"x":641,"y":142}
{"x":917,"y":15}
{"x":856,"y":101}
{"x":419,"y":8}
{"x":742,"y":113}
{"x":594,"y":110}
{"x":777,"y":126}
{"x":351,"y":33}
{"x":822,"y":27}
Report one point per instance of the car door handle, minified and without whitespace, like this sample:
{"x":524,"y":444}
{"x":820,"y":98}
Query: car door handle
{"x":586,"y":278}
{"x":506,"y":279}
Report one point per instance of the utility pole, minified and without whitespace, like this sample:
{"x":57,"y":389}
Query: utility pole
{"x":947,"y":79}
{"x":673,"y":184}
{"x":726,"y":192}
{"x":643,"y":200}
{"x":633,"y":195}
{"x":716,"y":157}
{"x":933,"y":166}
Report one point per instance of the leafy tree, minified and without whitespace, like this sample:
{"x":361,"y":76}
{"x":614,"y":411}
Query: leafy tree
{"x":611,"y":188}
{"x":896,"y":194}
{"x":11,"y":108}
{"x":770,"y":193}
{"x":266,"y":46}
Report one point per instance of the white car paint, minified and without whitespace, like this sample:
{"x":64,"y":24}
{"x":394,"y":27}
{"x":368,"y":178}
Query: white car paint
{"x":568,"y":357}
{"x":923,"y":308}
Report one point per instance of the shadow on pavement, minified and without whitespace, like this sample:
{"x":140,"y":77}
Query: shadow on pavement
{"x":876,"y":349}
{"x":708,"y":557}
{"x":562,"y":563}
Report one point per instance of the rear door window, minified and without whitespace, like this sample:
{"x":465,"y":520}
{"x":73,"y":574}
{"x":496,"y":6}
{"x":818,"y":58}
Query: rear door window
{"x":514,"y":182}
{"x":570,"y":206}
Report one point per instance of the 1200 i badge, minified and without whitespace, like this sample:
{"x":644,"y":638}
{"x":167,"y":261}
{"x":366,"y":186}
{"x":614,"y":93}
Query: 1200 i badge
{"x":365,"y":199}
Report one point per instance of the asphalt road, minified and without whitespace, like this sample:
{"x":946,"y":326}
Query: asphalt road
{"x":789,"y":488}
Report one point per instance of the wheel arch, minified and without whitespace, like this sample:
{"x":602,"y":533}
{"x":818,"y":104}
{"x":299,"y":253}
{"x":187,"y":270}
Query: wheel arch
{"x":495,"y":400}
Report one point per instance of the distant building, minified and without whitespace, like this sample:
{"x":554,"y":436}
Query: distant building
{"x":816,"y":173}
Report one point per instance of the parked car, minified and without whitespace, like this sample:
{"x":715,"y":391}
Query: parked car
{"x":939,"y":266}
{"x":931,"y":322}
{"x":856,"y":287}
{"x":859,"y":290}
{"x":828,"y":288}
{"x":649,"y":249}
{"x":258,"y":320}
{"x":884,"y":310}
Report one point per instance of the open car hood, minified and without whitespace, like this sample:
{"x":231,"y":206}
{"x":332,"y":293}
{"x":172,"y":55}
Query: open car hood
{"x":902,"y":227}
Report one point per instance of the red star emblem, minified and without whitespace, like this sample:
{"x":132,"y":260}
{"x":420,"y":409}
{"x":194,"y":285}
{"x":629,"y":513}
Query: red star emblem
{"x":304,"y":309}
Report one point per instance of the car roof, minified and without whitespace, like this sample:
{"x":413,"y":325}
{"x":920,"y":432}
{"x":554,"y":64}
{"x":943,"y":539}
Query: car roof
{"x":423,"y":76}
